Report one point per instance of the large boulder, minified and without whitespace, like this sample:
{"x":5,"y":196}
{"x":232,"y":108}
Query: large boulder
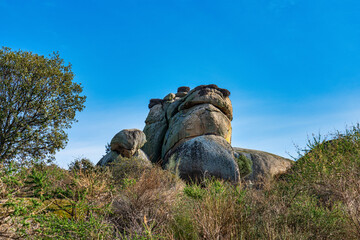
{"x":127,"y":142}
{"x":204,"y":156}
{"x":199,"y":120}
{"x":264,"y":165}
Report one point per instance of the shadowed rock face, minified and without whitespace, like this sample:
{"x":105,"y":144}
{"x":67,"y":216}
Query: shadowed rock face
{"x":202,"y":156}
{"x":175,"y":120}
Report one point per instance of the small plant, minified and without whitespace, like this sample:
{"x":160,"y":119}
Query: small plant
{"x":194,"y":191}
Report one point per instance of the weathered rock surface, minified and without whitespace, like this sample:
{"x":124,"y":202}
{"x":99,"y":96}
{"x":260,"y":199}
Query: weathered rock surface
{"x":209,"y":95}
{"x":190,"y":133}
{"x":155,"y":129}
{"x":183,"y":89}
{"x":181,"y":94}
{"x":180,"y":117}
{"x":202,"y":156}
{"x":154,"y":102}
{"x":127,"y":142}
{"x":264,"y":165}
{"x":108,"y":158}
{"x":169,"y":97}
{"x":199,"y":120}
{"x":143,"y":157}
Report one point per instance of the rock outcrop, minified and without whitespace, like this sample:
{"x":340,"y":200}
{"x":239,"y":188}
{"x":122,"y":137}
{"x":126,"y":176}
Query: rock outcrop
{"x":264,"y":165}
{"x":189,"y":132}
{"x":126,"y":143}
{"x":185,"y":128}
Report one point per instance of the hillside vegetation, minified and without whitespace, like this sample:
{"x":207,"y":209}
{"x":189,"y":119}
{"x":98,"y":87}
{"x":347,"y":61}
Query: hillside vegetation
{"x":318,"y":198}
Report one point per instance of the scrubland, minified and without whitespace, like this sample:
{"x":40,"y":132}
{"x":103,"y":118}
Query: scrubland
{"x":318,"y":198}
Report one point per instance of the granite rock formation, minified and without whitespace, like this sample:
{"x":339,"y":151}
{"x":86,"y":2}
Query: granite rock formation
{"x":264,"y":165}
{"x":204,"y":156}
{"x":189,"y":132}
{"x":126,"y":143}
{"x":177,"y":129}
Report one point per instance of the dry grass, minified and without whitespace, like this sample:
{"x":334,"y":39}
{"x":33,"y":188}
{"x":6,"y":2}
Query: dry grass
{"x":319,"y":198}
{"x":146,"y":206}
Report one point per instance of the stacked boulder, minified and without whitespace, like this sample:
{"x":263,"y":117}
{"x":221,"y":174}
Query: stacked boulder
{"x":126,"y":143}
{"x":190,"y":132}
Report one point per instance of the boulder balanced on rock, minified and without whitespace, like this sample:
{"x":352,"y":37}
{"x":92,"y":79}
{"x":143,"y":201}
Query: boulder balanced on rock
{"x":126,"y":143}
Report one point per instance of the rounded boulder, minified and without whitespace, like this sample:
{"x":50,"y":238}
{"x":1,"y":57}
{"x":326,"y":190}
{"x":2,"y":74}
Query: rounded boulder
{"x":204,"y":156}
{"x":127,"y":142}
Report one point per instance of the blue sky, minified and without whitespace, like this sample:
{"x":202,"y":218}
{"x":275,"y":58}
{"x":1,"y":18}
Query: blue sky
{"x":292,"y":66}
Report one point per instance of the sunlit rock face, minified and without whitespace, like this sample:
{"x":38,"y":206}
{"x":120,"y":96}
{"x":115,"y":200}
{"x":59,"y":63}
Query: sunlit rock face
{"x":194,"y":125}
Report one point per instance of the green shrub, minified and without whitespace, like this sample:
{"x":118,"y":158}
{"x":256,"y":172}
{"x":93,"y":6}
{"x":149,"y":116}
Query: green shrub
{"x":194,"y":191}
{"x":128,"y":168}
{"x":82,"y":164}
{"x":213,"y":210}
{"x":328,"y":175}
{"x":244,"y":164}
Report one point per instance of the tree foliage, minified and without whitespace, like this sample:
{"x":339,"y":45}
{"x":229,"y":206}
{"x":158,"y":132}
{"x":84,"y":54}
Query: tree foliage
{"x":38,"y":101}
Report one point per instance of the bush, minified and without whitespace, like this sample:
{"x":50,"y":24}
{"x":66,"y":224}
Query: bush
{"x":145,"y":207}
{"x":244,"y":164}
{"x":328,"y":175}
{"x":125,"y":169}
{"x":215,"y":210}
{"x":82,"y":165}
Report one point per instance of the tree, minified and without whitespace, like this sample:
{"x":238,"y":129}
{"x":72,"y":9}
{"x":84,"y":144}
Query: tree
{"x":38,"y":101}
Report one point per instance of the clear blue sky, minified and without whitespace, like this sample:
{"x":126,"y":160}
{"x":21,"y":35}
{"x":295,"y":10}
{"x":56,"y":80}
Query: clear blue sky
{"x":292,"y":66}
